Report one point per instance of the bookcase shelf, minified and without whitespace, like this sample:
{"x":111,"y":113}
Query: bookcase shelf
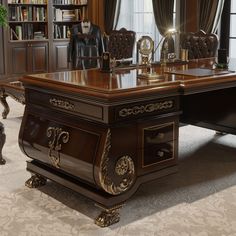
{"x":28,"y":20}
{"x":25,"y":22}
{"x":27,"y":4}
{"x":65,"y":14}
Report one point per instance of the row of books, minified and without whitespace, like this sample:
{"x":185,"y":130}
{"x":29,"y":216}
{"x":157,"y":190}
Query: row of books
{"x":28,"y":1}
{"x":74,"y":2}
{"x":29,"y":13}
{"x":61,"y":31}
{"x":67,"y":15}
{"x":25,"y":32}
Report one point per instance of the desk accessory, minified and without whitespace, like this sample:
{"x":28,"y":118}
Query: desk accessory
{"x":149,"y":74}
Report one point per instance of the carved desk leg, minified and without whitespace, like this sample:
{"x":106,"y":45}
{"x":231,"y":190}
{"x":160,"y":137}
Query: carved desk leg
{"x":108,"y":216}
{"x":5,"y":105}
{"x":35,"y":181}
{"x":2,"y":142}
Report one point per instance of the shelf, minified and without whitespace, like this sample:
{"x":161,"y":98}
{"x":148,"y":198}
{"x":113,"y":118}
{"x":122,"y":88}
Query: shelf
{"x":29,"y":40}
{"x":25,"y":22}
{"x":61,"y":40}
{"x":67,"y":22}
{"x":28,"y":4}
{"x":69,"y":5}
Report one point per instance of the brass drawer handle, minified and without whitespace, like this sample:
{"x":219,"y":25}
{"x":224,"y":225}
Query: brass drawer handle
{"x":160,"y":154}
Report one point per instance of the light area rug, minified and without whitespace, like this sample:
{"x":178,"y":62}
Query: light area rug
{"x":199,"y":200}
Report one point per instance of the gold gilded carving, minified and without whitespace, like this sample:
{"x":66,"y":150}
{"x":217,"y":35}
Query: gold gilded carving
{"x":55,"y":146}
{"x":152,"y":107}
{"x":62,"y":104}
{"x":124,"y":171}
{"x":124,"y":165}
{"x":108,"y":217}
{"x":35,"y":181}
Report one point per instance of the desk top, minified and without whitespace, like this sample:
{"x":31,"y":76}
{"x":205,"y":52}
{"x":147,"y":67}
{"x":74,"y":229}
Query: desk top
{"x":195,"y":76}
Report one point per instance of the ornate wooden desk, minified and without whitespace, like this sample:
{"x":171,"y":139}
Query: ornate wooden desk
{"x":103,"y":134}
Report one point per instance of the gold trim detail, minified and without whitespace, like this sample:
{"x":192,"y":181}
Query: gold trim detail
{"x":124,"y":171}
{"x":54,"y":145}
{"x":35,"y":181}
{"x":108,"y":216}
{"x":124,"y":165}
{"x":62,"y":104}
{"x":136,"y":110}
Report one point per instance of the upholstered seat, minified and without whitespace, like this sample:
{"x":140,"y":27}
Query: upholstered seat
{"x":121,"y":43}
{"x":199,"y":44}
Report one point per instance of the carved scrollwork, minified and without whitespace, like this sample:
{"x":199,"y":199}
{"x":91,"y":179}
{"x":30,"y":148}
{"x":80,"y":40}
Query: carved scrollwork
{"x":62,"y":104}
{"x":58,"y":136}
{"x":148,"y":108}
{"x":120,"y":179}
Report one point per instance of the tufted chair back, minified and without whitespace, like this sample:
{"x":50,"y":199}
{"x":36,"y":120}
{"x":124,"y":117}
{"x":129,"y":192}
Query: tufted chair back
{"x":121,"y":43}
{"x":199,"y":44}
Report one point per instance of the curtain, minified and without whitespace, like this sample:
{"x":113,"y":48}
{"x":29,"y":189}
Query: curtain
{"x":182,"y":16}
{"x":218,"y":15}
{"x":207,"y":12}
{"x":111,"y":14}
{"x":163,"y":13}
{"x":225,"y":25}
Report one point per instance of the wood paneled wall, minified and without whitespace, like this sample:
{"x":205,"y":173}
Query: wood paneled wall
{"x":96,"y":12}
{"x":191,"y":24}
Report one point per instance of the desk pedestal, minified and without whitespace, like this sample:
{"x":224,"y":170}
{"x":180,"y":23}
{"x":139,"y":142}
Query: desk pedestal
{"x":104,"y":160}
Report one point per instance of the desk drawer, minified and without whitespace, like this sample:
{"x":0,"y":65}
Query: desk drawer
{"x":158,"y":134}
{"x":67,"y":105}
{"x":68,"y":147}
{"x":155,"y":154}
{"x":157,"y":144}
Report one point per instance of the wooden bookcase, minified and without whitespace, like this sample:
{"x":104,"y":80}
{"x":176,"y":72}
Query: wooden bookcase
{"x":37,"y":38}
{"x":64,"y":16}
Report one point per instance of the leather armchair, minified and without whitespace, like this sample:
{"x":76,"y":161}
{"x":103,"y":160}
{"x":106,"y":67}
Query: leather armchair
{"x":199,"y":44}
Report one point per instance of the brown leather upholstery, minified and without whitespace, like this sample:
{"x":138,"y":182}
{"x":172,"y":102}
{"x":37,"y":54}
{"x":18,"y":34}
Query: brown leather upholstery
{"x":121,"y":44}
{"x":199,"y":45}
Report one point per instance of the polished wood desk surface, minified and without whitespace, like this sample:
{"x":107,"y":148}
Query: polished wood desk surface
{"x":196,"y":74}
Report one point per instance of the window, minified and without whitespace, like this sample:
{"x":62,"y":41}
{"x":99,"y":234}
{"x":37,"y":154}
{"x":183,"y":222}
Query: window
{"x":137,"y":15}
{"x":232,"y":34}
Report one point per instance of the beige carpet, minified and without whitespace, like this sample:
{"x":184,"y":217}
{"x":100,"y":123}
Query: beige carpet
{"x":199,"y":200}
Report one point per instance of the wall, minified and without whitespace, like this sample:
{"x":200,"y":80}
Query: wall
{"x":191,"y":24}
{"x":96,"y":14}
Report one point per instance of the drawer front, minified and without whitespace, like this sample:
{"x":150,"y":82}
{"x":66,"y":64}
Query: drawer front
{"x":71,"y":148}
{"x":66,"y":104}
{"x":158,"y":134}
{"x":150,"y":108}
{"x":157,"y":144}
{"x":158,"y":153}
